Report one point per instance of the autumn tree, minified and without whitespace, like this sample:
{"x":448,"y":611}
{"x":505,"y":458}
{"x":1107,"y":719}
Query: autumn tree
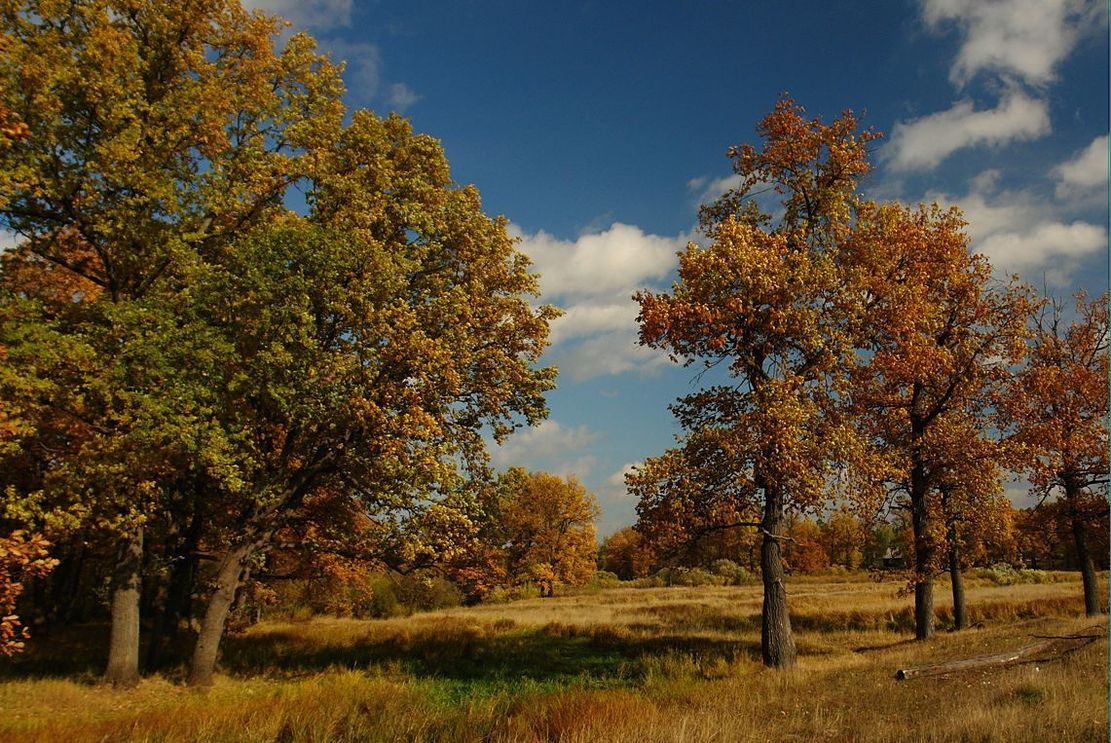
{"x":1056,"y":408}
{"x":549,"y":529}
{"x":937,"y":332}
{"x":22,"y":557}
{"x":237,"y":357}
{"x":970,"y":503}
{"x":156,"y":132}
{"x":626,"y":554}
{"x":804,"y":551}
{"x":843,"y":538}
{"x":372,"y":342}
{"x":766,"y":302}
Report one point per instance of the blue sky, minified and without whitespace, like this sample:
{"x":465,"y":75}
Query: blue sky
{"x":597,"y":127}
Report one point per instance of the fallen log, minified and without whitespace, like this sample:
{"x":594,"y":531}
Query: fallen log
{"x":967,"y":664}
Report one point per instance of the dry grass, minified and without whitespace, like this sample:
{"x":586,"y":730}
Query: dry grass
{"x":678,"y":664}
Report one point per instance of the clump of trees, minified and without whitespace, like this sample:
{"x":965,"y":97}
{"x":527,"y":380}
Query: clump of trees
{"x":863,"y":354}
{"x":191,"y":362}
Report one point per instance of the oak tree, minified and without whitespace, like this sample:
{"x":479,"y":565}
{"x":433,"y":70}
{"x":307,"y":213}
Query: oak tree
{"x":1056,"y":408}
{"x":549,"y":529}
{"x":766,"y":301}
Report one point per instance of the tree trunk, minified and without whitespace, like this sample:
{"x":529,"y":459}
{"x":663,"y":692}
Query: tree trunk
{"x":923,"y":555}
{"x":123,"y":647}
{"x":179,"y":595}
{"x":229,"y":576}
{"x":777,"y":646}
{"x":960,"y":613}
{"x":1083,"y":554}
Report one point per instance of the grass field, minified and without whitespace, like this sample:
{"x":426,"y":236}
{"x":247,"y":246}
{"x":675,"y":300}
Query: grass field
{"x":624,"y":664}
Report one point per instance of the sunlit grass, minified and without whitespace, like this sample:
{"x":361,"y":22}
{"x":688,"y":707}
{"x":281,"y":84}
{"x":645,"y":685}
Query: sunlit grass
{"x":678,"y":664}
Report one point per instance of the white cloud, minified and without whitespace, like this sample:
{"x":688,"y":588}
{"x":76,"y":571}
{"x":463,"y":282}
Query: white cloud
{"x":923,"y":143}
{"x":363,"y":65}
{"x":1055,"y":247}
{"x":1025,"y":39}
{"x":617,"y":260}
{"x":710,"y":189}
{"x":549,"y":440}
{"x":400,"y":96}
{"x":594,"y":278}
{"x":315,"y":14}
{"x":610,"y":353}
{"x":1085,"y":172}
{"x":615,"y":483}
{"x":1023,"y":233}
{"x":589,"y":318}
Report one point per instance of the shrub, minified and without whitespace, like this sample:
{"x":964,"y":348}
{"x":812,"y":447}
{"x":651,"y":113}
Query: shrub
{"x":427,"y":593}
{"x":732,"y":573}
{"x":1002,"y":574}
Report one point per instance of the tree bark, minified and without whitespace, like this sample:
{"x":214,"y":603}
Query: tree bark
{"x":179,"y":594}
{"x":960,"y":613}
{"x":777,"y":646}
{"x":228,"y":577}
{"x":1083,"y":553}
{"x":923,"y":555}
{"x":123,"y":647}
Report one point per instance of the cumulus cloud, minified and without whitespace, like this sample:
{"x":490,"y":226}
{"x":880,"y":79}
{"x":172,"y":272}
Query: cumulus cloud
{"x":316,"y":14}
{"x":593,"y":278}
{"x":1024,"y":39}
{"x":550,"y":446}
{"x":547,"y":439}
{"x":362,"y":61}
{"x":924,"y":142}
{"x":611,"y":353}
{"x":1023,"y":233}
{"x":1084,"y":173}
{"x":612,"y":261}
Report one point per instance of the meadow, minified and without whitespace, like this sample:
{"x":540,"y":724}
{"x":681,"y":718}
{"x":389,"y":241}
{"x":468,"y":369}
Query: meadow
{"x":619,"y":664}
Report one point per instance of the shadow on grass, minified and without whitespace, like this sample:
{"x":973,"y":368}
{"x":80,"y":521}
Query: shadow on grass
{"x":554,"y":653}
{"x":474,"y":655}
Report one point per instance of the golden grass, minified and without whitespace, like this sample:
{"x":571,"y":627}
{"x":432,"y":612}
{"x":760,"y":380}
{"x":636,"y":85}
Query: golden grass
{"x":633,"y":665}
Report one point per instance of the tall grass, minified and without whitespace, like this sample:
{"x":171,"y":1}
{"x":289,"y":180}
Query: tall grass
{"x":638,"y":665}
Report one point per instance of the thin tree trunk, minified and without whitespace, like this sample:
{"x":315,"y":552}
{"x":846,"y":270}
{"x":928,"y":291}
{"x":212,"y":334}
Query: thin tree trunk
{"x":228,"y":577}
{"x":123,"y":647}
{"x":923,"y":556}
{"x":1083,"y":553}
{"x":960,"y":612}
{"x":777,"y":646}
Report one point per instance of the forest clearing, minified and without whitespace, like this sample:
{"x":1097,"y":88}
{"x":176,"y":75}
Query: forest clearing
{"x":620,"y":664}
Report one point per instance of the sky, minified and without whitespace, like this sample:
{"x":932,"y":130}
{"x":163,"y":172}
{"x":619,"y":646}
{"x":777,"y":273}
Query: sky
{"x":597,"y":128}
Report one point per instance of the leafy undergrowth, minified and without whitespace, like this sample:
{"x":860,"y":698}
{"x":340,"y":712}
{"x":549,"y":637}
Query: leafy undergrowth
{"x":671,"y":665}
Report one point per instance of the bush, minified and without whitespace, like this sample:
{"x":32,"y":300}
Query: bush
{"x":732,"y":573}
{"x":689,"y":577}
{"x":505,"y":594}
{"x":428,"y":593}
{"x":1002,"y":574}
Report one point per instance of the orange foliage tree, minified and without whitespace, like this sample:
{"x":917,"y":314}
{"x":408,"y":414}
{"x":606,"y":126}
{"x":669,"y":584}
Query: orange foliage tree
{"x":1056,"y":408}
{"x":548,"y":524}
{"x":937,"y":335}
{"x":766,"y":301}
{"x":805,"y":552}
{"x":626,"y":554}
{"x":843,"y":539}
